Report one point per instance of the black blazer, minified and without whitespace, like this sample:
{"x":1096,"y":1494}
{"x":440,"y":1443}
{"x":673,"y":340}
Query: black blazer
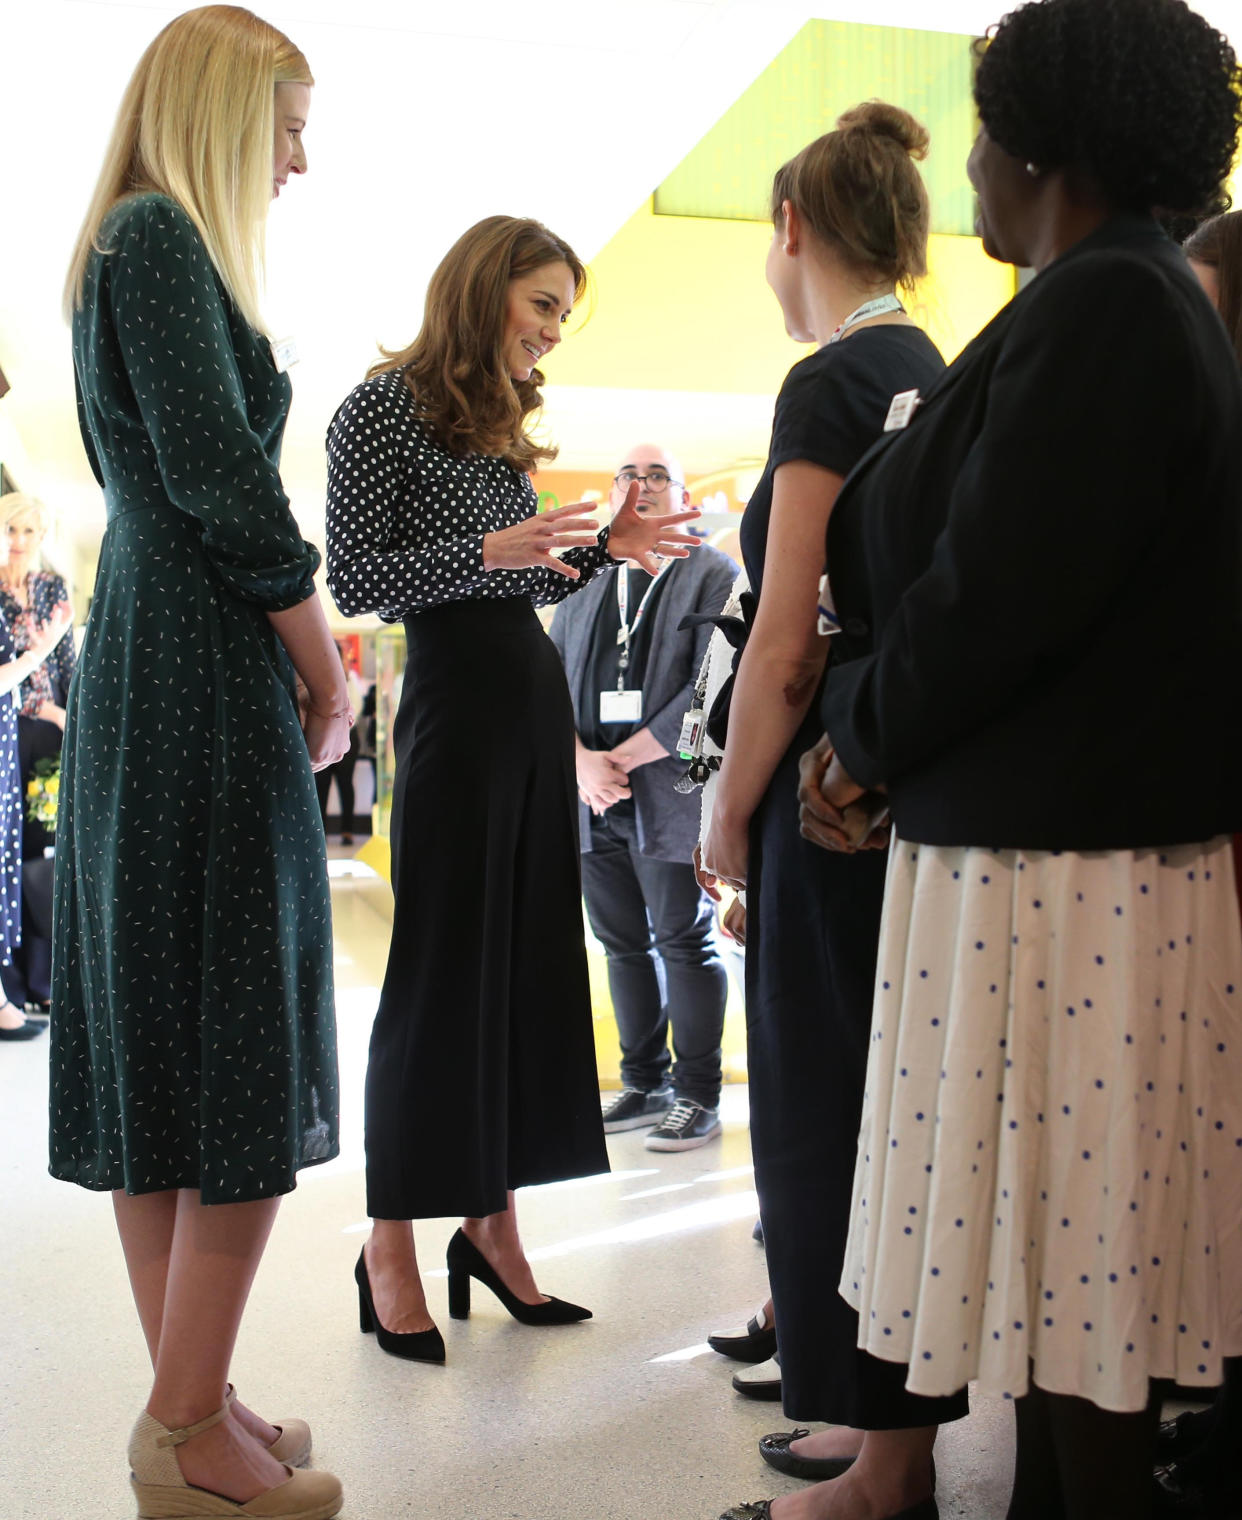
{"x":1040,"y":579}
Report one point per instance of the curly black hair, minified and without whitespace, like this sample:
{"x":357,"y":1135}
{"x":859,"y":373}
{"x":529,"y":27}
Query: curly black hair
{"x":1143,"y":94}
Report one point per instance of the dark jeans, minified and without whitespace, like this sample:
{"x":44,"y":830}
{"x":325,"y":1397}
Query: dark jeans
{"x":343,"y":774}
{"x":658,"y":930}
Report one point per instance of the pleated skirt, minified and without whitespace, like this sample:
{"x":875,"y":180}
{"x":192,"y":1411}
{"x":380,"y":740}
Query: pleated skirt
{"x":1050,"y":1163}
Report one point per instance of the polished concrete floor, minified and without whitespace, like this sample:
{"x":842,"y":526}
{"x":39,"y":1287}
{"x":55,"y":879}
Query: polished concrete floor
{"x":627,"y":1417}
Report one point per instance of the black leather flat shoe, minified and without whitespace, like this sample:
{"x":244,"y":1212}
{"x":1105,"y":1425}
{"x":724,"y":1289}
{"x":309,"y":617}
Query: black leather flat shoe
{"x":757,"y":1343}
{"x":774,"y":1450}
{"x":414,"y":1346}
{"x":26,"y":1031}
{"x":762,"y":1510}
{"x":1179,"y":1492}
{"x":1176,"y":1439}
{"x":465,"y":1261}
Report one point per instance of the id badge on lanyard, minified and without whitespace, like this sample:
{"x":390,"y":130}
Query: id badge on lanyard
{"x":622,"y":705}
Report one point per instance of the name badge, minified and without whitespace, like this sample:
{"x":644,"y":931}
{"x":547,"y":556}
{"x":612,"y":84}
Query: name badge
{"x":828,"y":622}
{"x":620,"y":706}
{"x":690,"y":740}
{"x":284,"y":353}
{"x":902,"y":409}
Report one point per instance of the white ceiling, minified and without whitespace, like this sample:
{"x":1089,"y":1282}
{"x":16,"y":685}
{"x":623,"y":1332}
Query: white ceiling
{"x":426,"y":117}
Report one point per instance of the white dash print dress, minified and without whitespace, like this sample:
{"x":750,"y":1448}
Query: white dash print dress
{"x":1055,"y":1036}
{"x":193,"y":1033}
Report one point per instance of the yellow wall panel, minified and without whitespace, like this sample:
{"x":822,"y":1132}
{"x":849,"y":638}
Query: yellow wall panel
{"x":681,"y":303}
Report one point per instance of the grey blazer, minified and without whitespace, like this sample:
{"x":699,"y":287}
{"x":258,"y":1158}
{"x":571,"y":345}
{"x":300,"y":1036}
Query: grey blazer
{"x":668,"y":821}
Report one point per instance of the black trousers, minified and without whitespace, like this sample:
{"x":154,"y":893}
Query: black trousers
{"x":812,"y":935}
{"x":657,"y":927}
{"x":343,"y":774}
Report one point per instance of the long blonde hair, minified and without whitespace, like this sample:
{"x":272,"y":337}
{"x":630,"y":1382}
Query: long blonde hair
{"x":197,"y":123}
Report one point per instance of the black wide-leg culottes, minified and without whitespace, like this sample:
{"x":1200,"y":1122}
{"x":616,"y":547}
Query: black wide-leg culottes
{"x":482,"y":1071}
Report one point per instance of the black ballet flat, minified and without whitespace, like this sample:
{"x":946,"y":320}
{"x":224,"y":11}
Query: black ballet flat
{"x":416,"y":1346}
{"x":762,"y":1510}
{"x":1179,"y":1492}
{"x":1177,"y":1438}
{"x":757,"y":1343}
{"x":774,"y":1450}
{"x":26,"y":1031}
{"x":465,"y":1261}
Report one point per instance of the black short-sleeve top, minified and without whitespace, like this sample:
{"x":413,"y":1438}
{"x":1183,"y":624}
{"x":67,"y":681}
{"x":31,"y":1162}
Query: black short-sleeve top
{"x":831,"y":409}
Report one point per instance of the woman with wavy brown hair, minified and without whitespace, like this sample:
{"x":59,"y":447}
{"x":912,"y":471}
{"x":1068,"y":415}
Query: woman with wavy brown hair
{"x":482,"y":1069}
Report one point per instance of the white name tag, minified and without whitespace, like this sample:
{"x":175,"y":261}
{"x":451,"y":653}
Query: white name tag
{"x":620,"y":706}
{"x":828,"y":623}
{"x":284,"y":353}
{"x":690,"y":740}
{"x":902,"y":409}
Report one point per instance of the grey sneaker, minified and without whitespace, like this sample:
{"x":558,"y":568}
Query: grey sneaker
{"x":632,"y":1109}
{"x":687,"y":1125}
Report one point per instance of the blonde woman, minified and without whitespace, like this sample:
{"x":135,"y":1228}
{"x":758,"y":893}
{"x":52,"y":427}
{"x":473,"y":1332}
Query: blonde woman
{"x":33,"y":597}
{"x":193,"y":1060}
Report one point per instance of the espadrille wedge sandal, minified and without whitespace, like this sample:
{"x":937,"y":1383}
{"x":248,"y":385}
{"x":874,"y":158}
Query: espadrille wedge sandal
{"x":163,"y":1493}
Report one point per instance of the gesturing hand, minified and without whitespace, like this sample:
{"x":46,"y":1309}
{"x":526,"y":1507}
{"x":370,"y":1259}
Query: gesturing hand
{"x":530,"y":543}
{"x":646,"y":537}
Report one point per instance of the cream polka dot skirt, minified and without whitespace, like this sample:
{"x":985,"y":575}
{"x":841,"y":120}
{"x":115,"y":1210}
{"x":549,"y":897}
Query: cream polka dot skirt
{"x":1050,"y":1162}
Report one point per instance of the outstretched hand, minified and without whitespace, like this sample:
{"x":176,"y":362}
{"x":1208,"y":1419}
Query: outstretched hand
{"x":649,"y":537}
{"x":530,"y":543}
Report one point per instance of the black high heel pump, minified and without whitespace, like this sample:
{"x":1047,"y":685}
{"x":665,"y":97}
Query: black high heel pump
{"x":465,"y":1261}
{"x":415,"y":1346}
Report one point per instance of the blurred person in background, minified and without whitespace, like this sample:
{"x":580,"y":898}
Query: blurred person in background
{"x":31,"y":596}
{"x":631,"y":678}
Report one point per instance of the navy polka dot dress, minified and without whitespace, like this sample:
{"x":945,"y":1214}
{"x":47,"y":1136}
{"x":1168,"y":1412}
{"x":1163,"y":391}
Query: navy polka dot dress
{"x":12,"y":808}
{"x":193,"y":1040}
{"x":1050,"y":1162}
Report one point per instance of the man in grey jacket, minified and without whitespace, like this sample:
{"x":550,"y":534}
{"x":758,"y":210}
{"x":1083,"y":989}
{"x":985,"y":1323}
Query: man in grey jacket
{"x":631,"y":675}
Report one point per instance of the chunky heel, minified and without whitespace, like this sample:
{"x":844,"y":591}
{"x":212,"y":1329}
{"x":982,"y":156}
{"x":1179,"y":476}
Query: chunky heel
{"x":411,"y":1346}
{"x":465,"y":1261}
{"x":459,"y":1294}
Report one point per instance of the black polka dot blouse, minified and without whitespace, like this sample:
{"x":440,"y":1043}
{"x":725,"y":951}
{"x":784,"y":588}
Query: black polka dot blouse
{"x":406,"y":518}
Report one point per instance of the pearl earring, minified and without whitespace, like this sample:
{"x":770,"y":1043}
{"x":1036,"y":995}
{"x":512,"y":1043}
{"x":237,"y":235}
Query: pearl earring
{"x":1033,"y":170}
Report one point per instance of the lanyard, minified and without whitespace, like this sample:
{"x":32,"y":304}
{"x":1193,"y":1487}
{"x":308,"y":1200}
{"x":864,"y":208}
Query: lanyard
{"x":878,"y":307}
{"x":627,"y":629}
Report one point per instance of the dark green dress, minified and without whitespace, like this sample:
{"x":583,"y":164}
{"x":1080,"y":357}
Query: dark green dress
{"x":193,"y":1040}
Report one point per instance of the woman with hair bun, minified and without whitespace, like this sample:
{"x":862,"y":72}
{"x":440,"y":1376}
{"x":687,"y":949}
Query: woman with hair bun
{"x":481,"y":1076}
{"x":850,"y":226}
{"x":194,"y":1050}
{"x":1048,"y":564}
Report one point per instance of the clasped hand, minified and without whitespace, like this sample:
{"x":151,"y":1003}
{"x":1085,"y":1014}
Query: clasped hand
{"x":825,"y":790}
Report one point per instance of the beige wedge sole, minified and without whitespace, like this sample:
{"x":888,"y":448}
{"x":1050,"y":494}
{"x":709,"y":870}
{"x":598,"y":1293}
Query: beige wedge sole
{"x":163,"y":1494}
{"x":319,"y":1498}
